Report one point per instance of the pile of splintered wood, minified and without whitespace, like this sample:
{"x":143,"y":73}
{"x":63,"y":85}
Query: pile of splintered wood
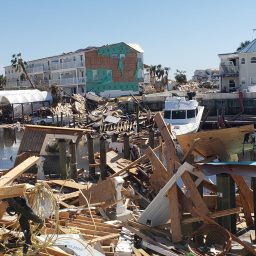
{"x":140,"y":208}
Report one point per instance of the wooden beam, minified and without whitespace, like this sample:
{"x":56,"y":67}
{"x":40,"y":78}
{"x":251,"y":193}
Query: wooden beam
{"x":12,"y":191}
{"x":172,"y":193}
{"x":194,"y":193}
{"x":103,"y":238}
{"x":213,"y":215}
{"x":207,"y":219}
{"x":246,"y":196}
{"x":14,"y":173}
{"x":54,"y":128}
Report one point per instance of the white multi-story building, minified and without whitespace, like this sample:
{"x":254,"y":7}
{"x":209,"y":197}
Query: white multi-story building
{"x":238,"y":69}
{"x":66,"y":70}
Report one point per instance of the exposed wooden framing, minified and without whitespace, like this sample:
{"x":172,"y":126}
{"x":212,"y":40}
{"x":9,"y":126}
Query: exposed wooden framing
{"x":10,"y":176}
{"x":194,"y":193}
{"x":207,"y":219}
{"x":172,"y":193}
{"x":12,"y":191}
{"x":213,"y":215}
{"x":68,"y":184}
{"x":53,"y":128}
{"x":103,"y":238}
{"x":246,"y":196}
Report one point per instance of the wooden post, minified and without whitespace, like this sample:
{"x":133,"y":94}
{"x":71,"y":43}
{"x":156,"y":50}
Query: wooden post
{"x":103,"y":158}
{"x":90,"y":154}
{"x":254,"y":200}
{"x":58,"y":120}
{"x":151,"y":140}
{"x":114,"y":137}
{"x":137,"y":118}
{"x":32,"y":109}
{"x":126,"y":146}
{"x":226,"y":200}
{"x":12,"y":113}
{"x":73,"y":160}
{"x":22,"y":112}
{"x":61,"y":119}
{"x":63,"y":158}
{"x":74,"y":121}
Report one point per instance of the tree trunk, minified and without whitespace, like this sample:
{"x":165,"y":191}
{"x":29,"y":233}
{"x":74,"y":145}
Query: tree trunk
{"x":26,"y":74}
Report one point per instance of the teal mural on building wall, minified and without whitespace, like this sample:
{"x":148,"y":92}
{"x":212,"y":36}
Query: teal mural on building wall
{"x":100,"y":79}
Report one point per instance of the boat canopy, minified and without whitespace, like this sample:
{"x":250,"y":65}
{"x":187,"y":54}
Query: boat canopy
{"x":24,"y":96}
{"x":180,"y":103}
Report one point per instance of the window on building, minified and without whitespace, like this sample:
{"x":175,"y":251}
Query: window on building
{"x":253,"y":59}
{"x":191,"y":113}
{"x":243,"y":61}
{"x":179,"y":114}
{"x":232,"y":83}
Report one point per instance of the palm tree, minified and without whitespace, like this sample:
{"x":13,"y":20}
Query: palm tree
{"x":2,"y":80}
{"x":152,"y":71}
{"x":242,"y":45}
{"x":18,"y":63}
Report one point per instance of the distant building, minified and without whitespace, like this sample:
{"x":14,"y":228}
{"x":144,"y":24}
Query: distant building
{"x":110,"y":70}
{"x":114,"y":70}
{"x":238,"y":69}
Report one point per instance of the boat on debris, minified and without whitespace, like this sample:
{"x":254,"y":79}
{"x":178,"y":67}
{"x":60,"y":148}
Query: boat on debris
{"x":183,"y":114}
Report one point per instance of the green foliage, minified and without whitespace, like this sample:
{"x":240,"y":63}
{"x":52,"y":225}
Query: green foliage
{"x":242,"y":45}
{"x":2,"y":80}
{"x":18,"y":63}
{"x":180,"y":76}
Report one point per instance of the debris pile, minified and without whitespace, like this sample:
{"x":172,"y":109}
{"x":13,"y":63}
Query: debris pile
{"x":146,"y":200}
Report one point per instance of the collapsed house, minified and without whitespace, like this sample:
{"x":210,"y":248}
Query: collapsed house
{"x":154,"y":204}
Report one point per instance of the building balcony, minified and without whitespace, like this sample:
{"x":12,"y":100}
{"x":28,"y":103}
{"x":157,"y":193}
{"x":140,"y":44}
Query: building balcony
{"x":228,"y":69}
{"x":68,"y":81}
{"x":67,"y":65}
{"x":38,"y":69}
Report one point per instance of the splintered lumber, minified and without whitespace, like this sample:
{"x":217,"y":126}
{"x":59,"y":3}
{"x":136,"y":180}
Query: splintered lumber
{"x":232,"y":138}
{"x":69,"y":196}
{"x":103,"y":191}
{"x":172,"y":193}
{"x":137,"y":161}
{"x":194,"y":194}
{"x":15,"y":172}
{"x":69,"y":184}
{"x":12,"y":191}
{"x":213,"y":215}
{"x":246,"y":197}
{"x":207,"y":219}
{"x":159,"y":176}
{"x":103,"y":238}
{"x":53,"y":128}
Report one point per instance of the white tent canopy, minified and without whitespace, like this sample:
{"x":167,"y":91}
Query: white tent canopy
{"x":24,"y":96}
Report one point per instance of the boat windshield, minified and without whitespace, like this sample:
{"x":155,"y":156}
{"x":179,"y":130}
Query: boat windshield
{"x":179,"y":114}
{"x":191,"y":113}
{"x":167,"y":114}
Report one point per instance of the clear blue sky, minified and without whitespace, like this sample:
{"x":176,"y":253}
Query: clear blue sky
{"x":179,"y":34}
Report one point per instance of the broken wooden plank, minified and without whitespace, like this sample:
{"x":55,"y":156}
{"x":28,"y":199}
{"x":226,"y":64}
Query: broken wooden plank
{"x":194,"y":193}
{"x":10,"y":176}
{"x":207,"y":219}
{"x":69,"y":184}
{"x":103,"y":238}
{"x":232,"y":138}
{"x":213,"y":215}
{"x":13,"y":191}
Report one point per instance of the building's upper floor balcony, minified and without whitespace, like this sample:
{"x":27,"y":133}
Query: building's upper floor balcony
{"x":228,"y":68}
{"x":39,"y":69}
{"x":67,"y":65}
{"x":68,"y":81}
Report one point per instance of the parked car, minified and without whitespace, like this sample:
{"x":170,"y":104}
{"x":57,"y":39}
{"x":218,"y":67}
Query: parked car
{"x":42,"y":120}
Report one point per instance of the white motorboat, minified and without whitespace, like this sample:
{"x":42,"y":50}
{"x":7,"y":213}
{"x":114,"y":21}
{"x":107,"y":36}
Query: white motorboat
{"x":183,"y":115}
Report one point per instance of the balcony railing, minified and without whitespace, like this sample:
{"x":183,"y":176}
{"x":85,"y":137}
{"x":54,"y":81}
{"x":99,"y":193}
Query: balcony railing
{"x":68,"y":81}
{"x":67,"y":65}
{"x":228,"y":69}
{"x":39,"y":69}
